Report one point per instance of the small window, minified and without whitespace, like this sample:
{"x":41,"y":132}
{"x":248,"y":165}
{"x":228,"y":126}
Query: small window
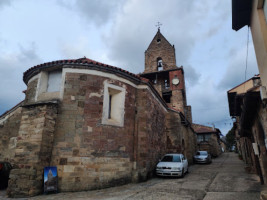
{"x":113,"y":105}
{"x":166,"y":84}
{"x":204,"y":137}
{"x":200,"y":138}
{"x":207,"y":137}
{"x":159,"y":64}
{"x":167,"y":98}
{"x":158,"y":40}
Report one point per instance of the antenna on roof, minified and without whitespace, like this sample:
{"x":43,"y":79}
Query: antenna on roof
{"x":158,"y":25}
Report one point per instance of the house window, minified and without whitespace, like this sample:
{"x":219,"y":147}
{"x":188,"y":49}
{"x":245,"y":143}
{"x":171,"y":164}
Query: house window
{"x":159,"y":64}
{"x":207,"y":137}
{"x":200,"y":138}
{"x":203,"y":137}
{"x":113,"y":105}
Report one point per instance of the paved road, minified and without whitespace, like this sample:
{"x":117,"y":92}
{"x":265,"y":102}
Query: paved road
{"x":224,"y":179}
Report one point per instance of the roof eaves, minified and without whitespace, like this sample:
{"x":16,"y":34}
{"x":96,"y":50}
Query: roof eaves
{"x":76,"y":62}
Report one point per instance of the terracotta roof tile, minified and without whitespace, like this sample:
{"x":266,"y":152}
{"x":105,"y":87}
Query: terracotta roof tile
{"x":203,"y":129}
{"x":83,"y":60}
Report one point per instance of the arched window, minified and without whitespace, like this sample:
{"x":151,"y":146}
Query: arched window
{"x":159,"y":63}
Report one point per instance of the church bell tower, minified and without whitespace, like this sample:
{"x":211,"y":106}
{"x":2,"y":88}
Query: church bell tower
{"x":167,"y":78}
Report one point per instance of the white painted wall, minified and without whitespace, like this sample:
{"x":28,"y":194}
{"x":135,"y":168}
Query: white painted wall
{"x":54,"y":81}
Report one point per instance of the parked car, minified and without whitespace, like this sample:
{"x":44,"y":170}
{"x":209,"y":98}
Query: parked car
{"x":5,"y":168}
{"x":172,"y":165}
{"x":202,"y":157}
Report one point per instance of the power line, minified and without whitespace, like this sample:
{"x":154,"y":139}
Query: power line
{"x":247,"y":56}
{"x":225,"y":121}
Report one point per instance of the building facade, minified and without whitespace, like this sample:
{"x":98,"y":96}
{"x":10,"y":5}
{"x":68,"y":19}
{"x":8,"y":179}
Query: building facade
{"x":251,"y":125}
{"x":208,"y":139}
{"x":253,"y":13}
{"x":101,"y":126}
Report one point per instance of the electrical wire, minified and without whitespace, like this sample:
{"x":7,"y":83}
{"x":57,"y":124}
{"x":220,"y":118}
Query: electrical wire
{"x":247,"y":56}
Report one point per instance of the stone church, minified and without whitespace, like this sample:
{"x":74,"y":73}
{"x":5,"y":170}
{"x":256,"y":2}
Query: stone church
{"x":100,"y":125}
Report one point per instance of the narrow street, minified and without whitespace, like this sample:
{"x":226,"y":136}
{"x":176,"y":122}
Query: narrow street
{"x":225,"y":178}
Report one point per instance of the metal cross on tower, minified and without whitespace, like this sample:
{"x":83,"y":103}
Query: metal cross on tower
{"x":158,"y":25}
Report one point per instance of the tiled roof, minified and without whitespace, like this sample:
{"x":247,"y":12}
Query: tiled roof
{"x":85,"y":62}
{"x":204,"y":129}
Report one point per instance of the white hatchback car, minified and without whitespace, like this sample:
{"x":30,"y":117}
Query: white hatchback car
{"x":172,"y":165}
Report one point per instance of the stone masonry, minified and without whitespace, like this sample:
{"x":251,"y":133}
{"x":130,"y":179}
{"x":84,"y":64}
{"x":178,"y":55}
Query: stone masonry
{"x":9,"y":129}
{"x":167,"y":54}
{"x":33,"y":150}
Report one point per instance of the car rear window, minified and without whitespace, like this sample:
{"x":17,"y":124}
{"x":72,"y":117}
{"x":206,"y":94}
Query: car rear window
{"x":202,"y":153}
{"x":171,"y":158}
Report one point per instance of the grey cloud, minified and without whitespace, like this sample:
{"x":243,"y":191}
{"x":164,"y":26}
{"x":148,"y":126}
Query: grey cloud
{"x":95,"y":11}
{"x":77,"y":49}
{"x":209,"y":105}
{"x":235,"y":73}
{"x":5,"y":3}
{"x":129,"y":39}
{"x":191,"y":75}
{"x":12,"y":67}
{"x":27,"y":54}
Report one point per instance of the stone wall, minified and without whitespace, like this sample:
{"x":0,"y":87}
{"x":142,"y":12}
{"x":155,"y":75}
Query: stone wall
{"x":150,"y":136}
{"x":9,"y":129}
{"x":88,"y":154}
{"x":33,"y":150}
{"x":178,"y":100}
{"x":174,"y":133}
{"x":212,"y":146}
{"x":215,"y":148}
{"x":31,"y":91}
{"x":180,"y":138}
{"x":246,"y":151}
{"x":190,"y":142}
{"x":259,"y":134}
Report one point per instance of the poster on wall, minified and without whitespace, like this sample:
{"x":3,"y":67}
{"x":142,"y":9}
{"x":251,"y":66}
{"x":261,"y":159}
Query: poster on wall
{"x":50,"y":179}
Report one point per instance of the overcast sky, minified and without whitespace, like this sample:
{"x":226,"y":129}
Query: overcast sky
{"x":117,"y":32}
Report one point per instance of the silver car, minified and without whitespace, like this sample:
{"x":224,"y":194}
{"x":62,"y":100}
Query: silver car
{"x":202,"y":157}
{"x":172,"y":165}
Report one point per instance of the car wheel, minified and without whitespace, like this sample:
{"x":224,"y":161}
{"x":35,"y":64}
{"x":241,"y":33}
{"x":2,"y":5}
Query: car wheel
{"x":182,"y":176}
{"x":187,"y":170}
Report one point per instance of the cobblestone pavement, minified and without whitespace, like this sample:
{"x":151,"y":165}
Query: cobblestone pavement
{"x":225,"y":178}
